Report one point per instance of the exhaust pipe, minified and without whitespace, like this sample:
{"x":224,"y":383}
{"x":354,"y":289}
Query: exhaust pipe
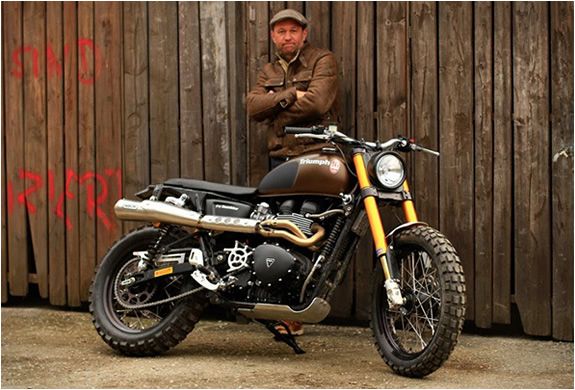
{"x":154,"y":211}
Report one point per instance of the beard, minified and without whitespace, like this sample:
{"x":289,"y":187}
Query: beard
{"x":289,"y":52}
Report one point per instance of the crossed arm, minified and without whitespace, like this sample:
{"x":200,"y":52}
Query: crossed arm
{"x":291,"y":106}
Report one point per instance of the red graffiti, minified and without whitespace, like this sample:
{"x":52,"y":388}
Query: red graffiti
{"x":89,"y":61}
{"x":90,"y":181}
{"x":23,"y":198}
{"x":17,"y":57}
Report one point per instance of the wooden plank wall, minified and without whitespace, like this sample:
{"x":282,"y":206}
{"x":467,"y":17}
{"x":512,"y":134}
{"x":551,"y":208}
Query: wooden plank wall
{"x":102,"y":98}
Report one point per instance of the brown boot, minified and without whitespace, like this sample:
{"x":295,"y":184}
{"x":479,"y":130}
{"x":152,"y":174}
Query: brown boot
{"x":295,"y":327}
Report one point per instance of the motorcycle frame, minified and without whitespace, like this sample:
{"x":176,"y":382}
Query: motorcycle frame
{"x":353,"y":230}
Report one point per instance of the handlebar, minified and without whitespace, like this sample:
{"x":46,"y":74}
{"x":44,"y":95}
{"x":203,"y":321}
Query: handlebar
{"x":330,"y":133}
{"x":304,"y":130}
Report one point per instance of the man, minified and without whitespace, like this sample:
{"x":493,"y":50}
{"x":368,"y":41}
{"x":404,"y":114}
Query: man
{"x":298,"y":88}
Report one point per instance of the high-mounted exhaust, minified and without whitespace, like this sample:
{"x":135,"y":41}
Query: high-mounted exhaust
{"x":154,"y":211}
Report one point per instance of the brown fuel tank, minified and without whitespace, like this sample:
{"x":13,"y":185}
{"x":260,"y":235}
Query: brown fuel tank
{"x":311,"y":174}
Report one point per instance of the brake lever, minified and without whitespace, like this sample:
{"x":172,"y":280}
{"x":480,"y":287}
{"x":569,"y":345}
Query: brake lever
{"x":316,"y":136}
{"x":418,"y":148}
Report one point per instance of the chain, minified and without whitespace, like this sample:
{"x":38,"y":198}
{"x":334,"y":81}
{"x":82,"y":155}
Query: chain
{"x":151,"y":304}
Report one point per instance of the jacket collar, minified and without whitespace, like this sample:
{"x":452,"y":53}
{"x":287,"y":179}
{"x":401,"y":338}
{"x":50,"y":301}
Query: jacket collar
{"x":300,"y":56}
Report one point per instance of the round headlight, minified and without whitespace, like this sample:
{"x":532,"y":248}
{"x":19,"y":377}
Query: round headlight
{"x":389,"y":170}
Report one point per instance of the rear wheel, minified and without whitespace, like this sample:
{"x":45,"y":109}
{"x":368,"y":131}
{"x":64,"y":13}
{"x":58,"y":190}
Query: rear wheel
{"x":416,"y":339}
{"x":125,"y":317}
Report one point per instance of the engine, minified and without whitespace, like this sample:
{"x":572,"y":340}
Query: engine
{"x":269,"y":271}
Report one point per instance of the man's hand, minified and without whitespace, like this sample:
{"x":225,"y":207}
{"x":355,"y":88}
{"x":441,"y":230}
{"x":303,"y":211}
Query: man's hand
{"x":300,"y":94}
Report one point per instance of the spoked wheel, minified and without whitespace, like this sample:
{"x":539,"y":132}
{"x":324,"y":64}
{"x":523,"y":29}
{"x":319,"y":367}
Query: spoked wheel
{"x":417,"y":338}
{"x":129,"y":318}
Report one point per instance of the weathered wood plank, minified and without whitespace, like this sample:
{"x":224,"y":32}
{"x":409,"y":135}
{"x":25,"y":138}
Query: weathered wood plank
{"x":191,"y":128}
{"x":343,"y":36}
{"x":236,"y":38}
{"x":164,"y":132}
{"x":297,"y":5}
{"x":364,"y":258}
{"x":13,"y":71}
{"x":502,"y":165}
{"x":88,"y":70}
{"x":56,"y":163}
{"x":257,"y":53}
{"x":34,"y":174}
{"x":136,"y":149}
{"x":456,"y":134}
{"x":344,"y":48}
{"x":483,"y":26}
{"x":562,"y":167}
{"x":532,"y":190}
{"x":70,"y":199}
{"x":424,"y":109}
{"x":136,"y":104}
{"x":391,"y":60}
{"x":318,"y":15}
{"x":215,"y":92}
{"x":4,"y":260}
{"x":108,"y":99}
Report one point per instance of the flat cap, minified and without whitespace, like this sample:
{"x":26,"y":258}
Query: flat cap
{"x":289,"y":14}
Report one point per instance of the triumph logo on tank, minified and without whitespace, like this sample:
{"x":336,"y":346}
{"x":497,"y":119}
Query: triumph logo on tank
{"x":306,"y":161}
{"x":270,"y":261}
{"x":334,"y":166}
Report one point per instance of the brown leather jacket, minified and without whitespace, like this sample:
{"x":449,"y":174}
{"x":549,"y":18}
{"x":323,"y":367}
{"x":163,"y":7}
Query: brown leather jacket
{"x":315,"y":71}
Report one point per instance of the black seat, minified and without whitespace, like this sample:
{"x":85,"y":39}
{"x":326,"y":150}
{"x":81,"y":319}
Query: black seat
{"x":201,"y":185}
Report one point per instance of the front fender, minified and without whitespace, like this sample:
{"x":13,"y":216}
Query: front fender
{"x":402,"y":227}
{"x":394,"y":267}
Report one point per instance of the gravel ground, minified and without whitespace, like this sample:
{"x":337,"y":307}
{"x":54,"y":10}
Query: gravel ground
{"x":47,"y":348}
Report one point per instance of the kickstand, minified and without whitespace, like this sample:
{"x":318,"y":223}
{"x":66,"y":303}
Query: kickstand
{"x":288,"y":338}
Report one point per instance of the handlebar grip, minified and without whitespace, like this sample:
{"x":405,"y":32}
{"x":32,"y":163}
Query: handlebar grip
{"x":304,"y":130}
{"x":297,"y":130}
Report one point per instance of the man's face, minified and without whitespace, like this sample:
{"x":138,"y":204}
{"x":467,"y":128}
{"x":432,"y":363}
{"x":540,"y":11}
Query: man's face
{"x":289,"y":37}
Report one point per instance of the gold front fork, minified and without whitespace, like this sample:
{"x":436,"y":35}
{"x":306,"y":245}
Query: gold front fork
{"x":407,"y":205}
{"x":372,"y":210}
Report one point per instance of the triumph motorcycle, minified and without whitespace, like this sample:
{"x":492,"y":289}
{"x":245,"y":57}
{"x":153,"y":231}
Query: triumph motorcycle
{"x":278,"y":252}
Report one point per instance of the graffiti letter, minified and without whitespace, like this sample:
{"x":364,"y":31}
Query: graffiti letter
{"x":17,"y":56}
{"x":23,"y":197}
{"x":88,"y":72}
{"x":93,"y":203}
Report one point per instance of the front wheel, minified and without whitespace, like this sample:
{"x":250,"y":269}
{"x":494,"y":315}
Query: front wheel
{"x":416,"y":339}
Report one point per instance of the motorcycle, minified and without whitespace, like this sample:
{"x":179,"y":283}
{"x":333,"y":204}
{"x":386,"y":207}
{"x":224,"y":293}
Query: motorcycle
{"x":278,"y":252}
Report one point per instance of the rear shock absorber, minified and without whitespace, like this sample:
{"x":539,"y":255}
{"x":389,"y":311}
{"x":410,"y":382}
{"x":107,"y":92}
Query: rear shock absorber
{"x":154,"y":248}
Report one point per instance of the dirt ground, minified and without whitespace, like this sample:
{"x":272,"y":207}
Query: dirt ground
{"x":47,"y":348}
